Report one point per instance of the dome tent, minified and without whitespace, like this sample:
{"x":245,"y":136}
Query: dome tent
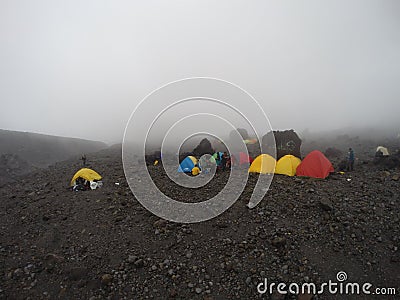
{"x":88,"y":175}
{"x":383,"y":150}
{"x":263,"y":164}
{"x":187,"y":165}
{"x":316,"y":165}
{"x":287,"y":165}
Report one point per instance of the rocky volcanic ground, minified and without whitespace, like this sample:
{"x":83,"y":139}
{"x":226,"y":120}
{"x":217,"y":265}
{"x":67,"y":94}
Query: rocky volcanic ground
{"x":102,"y":244}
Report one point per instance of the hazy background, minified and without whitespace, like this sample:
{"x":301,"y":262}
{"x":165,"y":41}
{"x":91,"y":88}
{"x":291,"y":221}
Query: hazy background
{"x":78,"y":68}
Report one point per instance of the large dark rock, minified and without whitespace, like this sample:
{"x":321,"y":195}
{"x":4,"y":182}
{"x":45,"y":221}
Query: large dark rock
{"x":203,"y":148}
{"x":287,"y":142}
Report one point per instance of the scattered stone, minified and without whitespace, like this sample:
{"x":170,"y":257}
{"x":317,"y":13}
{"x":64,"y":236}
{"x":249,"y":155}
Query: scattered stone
{"x":139,"y":263}
{"x":119,"y":218}
{"x":173,"y":293}
{"x":278,"y":242}
{"x":326,"y":204}
{"x":277,"y":296}
{"x":160,"y":223}
{"x":76,"y":274}
{"x":304,"y":297}
{"x":132,"y":258}
{"x":106,"y":279}
{"x":51,"y":260}
{"x":396,"y":257}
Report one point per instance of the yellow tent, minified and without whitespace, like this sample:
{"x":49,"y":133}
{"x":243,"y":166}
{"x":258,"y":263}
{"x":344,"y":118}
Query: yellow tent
{"x":87,"y":174}
{"x":263,"y":163}
{"x":287,"y":165}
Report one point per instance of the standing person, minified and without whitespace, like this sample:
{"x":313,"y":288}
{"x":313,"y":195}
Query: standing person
{"x":228,"y":161}
{"x":350,"y":160}
{"x":224,"y":160}
{"x":218,"y":161}
{"x":83,"y":158}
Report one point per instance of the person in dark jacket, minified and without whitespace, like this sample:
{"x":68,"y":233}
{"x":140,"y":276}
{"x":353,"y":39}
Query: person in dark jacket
{"x":83,"y":158}
{"x":224,"y":161}
{"x":350,"y":160}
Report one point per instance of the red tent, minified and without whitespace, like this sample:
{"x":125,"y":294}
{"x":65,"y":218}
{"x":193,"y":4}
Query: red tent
{"x":315,"y":164}
{"x":243,"y":159}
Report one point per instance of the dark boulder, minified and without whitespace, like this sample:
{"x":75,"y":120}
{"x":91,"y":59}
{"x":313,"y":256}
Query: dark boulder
{"x":287,"y":142}
{"x":203,"y":148}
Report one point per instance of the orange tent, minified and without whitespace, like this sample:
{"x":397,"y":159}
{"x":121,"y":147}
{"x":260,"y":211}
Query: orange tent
{"x":316,"y":165}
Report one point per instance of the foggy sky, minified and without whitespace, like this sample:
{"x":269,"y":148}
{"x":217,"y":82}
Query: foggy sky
{"x":78,"y":68}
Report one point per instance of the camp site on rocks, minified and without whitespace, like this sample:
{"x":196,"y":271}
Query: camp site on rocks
{"x":200,"y":150}
{"x":100,"y":242}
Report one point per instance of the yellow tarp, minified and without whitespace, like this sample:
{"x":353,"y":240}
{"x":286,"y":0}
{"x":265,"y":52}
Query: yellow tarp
{"x":287,"y":165}
{"x":193,"y":159}
{"x":195,"y":171}
{"x":87,"y":174}
{"x":264,"y":163}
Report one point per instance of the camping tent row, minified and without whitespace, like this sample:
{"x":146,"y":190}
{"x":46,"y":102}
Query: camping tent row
{"x":315,"y":164}
{"x":265,"y":163}
{"x":189,"y":163}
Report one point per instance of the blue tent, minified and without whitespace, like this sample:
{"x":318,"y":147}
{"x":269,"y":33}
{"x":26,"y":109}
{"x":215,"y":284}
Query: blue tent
{"x":187,"y":164}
